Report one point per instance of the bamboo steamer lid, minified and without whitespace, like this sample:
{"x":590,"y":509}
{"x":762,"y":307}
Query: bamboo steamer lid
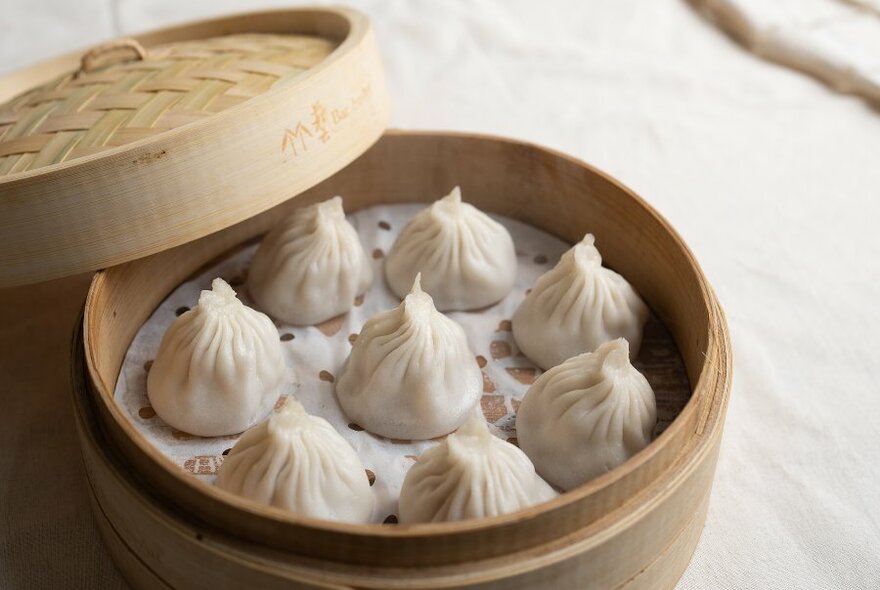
{"x":143,"y":144}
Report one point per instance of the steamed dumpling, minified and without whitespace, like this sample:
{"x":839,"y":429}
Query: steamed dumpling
{"x":298,"y":462}
{"x":471,"y":474}
{"x":586,"y":416}
{"x":577,"y":306}
{"x":411,"y":374}
{"x":311,"y":267}
{"x":220,"y":367}
{"x":466,"y":259}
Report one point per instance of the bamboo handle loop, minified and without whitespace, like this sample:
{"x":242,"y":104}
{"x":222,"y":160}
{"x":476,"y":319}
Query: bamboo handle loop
{"x":118,"y":51}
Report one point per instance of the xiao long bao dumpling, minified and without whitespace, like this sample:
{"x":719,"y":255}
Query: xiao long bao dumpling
{"x":577,"y":306}
{"x":586,"y":416}
{"x":311,"y":267}
{"x":472,"y":474}
{"x":220,"y":367}
{"x":467,"y":259}
{"x":298,"y":462}
{"x":410,"y":374}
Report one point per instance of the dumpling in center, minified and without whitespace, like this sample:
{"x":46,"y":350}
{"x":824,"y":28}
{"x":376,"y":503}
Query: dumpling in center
{"x":411,"y":374}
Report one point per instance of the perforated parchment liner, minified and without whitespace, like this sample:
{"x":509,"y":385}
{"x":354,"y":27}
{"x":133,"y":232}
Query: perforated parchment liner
{"x":314,"y":356}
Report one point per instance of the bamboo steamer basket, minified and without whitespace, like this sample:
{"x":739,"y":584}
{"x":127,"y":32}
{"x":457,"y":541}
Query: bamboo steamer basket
{"x":634,"y":527}
{"x":147,"y":143}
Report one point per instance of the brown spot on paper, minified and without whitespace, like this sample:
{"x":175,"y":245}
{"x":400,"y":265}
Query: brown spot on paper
{"x":203,"y":464}
{"x":499,"y":349}
{"x":377,"y":254}
{"x":524,"y":375}
{"x":331,"y":326}
{"x":352,"y":338}
{"x":481,"y":360}
{"x":384,"y":225}
{"x":488,"y":385}
{"x":282,"y":401}
{"x":355,"y":427}
{"x":287,"y":337}
{"x":493,"y":407}
{"x":528,"y":291}
{"x":540,"y":259}
{"x":147,"y":412}
{"x":326,"y":376}
{"x":504,"y":326}
{"x":359,"y":300}
{"x":371,"y":477}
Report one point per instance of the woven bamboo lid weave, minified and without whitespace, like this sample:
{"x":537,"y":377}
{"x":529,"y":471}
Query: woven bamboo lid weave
{"x":143,"y":144}
{"x":145,"y":93}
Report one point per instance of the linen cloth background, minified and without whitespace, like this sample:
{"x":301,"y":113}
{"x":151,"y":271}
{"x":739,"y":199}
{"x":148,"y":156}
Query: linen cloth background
{"x":771,"y":178}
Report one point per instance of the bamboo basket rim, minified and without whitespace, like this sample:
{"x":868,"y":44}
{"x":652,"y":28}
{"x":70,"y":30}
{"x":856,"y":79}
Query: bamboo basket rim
{"x":709,"y":396}
{"x":358,"y":26}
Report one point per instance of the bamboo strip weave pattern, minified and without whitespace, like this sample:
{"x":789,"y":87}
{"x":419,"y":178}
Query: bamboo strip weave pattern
{"x":86,"y":112}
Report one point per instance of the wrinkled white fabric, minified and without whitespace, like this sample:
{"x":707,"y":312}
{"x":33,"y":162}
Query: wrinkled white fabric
{"x":769,"y":175}
{"x":838,"y":41}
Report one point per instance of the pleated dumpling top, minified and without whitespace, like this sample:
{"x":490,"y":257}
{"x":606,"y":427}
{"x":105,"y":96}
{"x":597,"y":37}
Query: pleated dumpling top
{"x":471,"y":474}
{"x":220,"y":366}
{"x":466,"y":258}
{"x":298,"y":462}
{"x":310,"y":267}
{"x":586,"y":416}
{"x":411,"y":373}
{"x":577,"y":306}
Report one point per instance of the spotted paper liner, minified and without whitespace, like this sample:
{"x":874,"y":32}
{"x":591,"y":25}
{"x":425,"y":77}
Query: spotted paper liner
{"x":314,"y":356}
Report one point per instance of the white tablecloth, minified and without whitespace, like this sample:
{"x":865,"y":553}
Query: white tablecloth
{"x":772,"y":178}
